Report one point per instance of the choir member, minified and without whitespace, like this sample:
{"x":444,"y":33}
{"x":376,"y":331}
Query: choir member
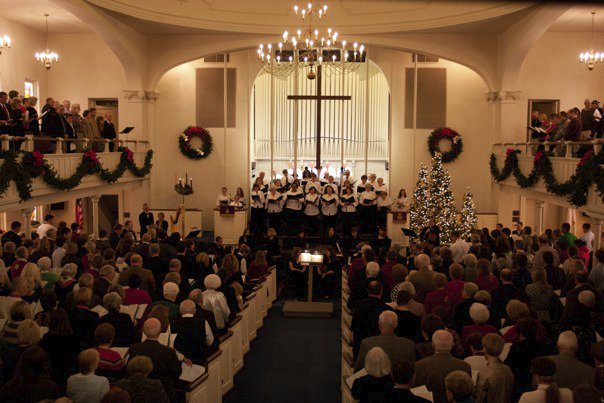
{"x":402,"y":202}
{"x":280,"y":187}
{"x":329,"y":205}
{"x":161,"y":222}
{"x":240,"y":196}
{"x":313,"y":182}
{"x":223,"y":199}
{"x":265,"y":182}
{"x":349,"y":204}
{"x":311,"y":210}
{"x":331,"y":182}
{"x":327,"y":169}
{"x":296,"y":272}
{"x":383,"y":205}
{"x":380,"y":186}
{"x":362,"y":186}
{"x":257,"y":212}
{"x":346,"y":176}
{"x":260,"y":184}
{"x":294,"y":200}
{"x":368,"y":201}
{"x":274,"y":207}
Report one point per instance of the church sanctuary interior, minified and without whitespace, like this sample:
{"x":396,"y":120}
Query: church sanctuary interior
{"x":301,"y":201}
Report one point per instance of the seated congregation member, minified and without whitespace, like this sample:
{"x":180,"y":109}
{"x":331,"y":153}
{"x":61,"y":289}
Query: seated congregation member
{"x":83,"y":320}
{"x":366,"y":314}
{"x":475,"y":351}
{"x":438,"y":297}
{"x":193,"y":334}
{"x":543,"y":371}
{"x":257,"y":210}
{"x":408,"y":322}
{"x":258,"y":269}
{"x":133,"y":295}
{"x":368,"y":203}
{"x":104,"y":281}
{"x":570,"y":372}
{"x":86,"y":281}
{"x":485,"y":280}
{"x":274,"y":207}
{"x":230,"y":278}
{"x":85,"y":386}
{"x":31,"y":381}
{"x":170,"y":293}
{"x":397,"y":349}
{"x":328,"y":272}
{"x":125,"y":332}
{"x":480,"y":316}
{"x":359,"y":288}
{"x":348,"y":203}
{"x":296,"y":273}
{"x":207,"y":315}
{"x":422,"y":278}
{"x":312,"y":211}
{"x":215,"y":301}
{"x":45,"y":265}
{"x":460,"y":388}
{"x":138,"y":386}
{"x":403,"y":373}
{"x":329,"y":206}
{"x":495,"y":383}
{"x":294,"y":201}
{"x":355,"y":272}
{"x":387,"y":268}
{"x":21,"y":256}
{"x":166,"y":365}
{"x":377,"y":384}
{"x":111,"y":364}
{"x":431,"y":371}
{"x":136,"y":267}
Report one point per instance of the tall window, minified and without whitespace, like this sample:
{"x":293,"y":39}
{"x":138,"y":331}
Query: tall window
{"x":29,"y":89}
{"x":355,"y":130}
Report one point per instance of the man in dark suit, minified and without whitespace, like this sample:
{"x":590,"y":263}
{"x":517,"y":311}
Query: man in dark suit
{"x":366,"y":314}
{"x":136,"y":267}
{"x":398,"y":349}
{"x":13,"y":234}
{"x":155,"y":263}
{"x":145,"y":218}
{"x":83,"y":320}
{"x":143,"y":248}
{"x":108,"y":132}
{"x":116,"y":235}
{"x":504,"y":294}
{"x":104,"y":281}
{"x":166,"y":365}
{"x":5,"y":127}
{"x":196,"y":296}
{"x":359,"y":289}
{"x":431,"y":371}
{"x":194,"y":335}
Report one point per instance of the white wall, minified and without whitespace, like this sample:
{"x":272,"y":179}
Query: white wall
{"x":18,"y":63}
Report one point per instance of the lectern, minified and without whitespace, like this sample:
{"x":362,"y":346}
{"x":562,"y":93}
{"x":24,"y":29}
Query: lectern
{"x":309,"y":308}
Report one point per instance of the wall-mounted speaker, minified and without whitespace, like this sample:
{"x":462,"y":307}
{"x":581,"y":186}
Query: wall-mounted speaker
{"x":387,"y":166}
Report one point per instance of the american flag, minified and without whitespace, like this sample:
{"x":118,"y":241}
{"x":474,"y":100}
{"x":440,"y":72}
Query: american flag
{"x":79,"y":215}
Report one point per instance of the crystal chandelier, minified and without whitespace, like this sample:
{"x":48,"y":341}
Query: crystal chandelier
{"x":591,"y":57}
{"x":47,"y":58}
{"x":4,"y":43}
{"x":311,"y":47}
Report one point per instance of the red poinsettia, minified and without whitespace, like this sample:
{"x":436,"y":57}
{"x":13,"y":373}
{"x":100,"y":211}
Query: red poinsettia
{"x":509,"y":151}
{"x":91,"y":155}
{"x":538,"y":156}
{"x":586,"y":157}
{"x":38,"y":158}
{"x":129,"y":155}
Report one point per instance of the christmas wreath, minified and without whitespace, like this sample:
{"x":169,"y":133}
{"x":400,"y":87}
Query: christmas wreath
{"x":195,"y":143}
{"x":445,"y":133}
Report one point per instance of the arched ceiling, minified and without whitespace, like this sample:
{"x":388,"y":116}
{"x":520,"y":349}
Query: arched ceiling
{"x":348,"y":16}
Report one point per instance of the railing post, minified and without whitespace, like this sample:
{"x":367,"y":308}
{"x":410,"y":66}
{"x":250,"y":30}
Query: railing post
{"x":59,"y":146}
{"x":86,"y":141}
{"x":569,"y":150}
{"x":597,"y":146}
{"x":5,"y":143}
{"x":135,"y":146}
{"x":106,"y":148}
{"x":29,"y":142}
{"x":27,"y":212}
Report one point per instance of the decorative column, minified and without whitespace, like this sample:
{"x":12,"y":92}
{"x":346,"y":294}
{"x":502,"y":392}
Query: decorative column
{"x":540,"y":208}
{"x":27,"y":212}
{"x":597,"y":230}
{"x":95,"y":215}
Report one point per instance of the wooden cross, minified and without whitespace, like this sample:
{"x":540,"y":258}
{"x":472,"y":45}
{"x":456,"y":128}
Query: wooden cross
{"x":319,"y":98}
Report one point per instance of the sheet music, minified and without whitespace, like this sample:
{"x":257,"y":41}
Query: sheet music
{"x":505,"y":352}
{"x":190,"y":374}
{"x":355,"y":376}
{"x":422,"y":391}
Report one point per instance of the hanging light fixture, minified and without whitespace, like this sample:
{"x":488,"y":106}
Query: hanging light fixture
{"x":311,"y":47}
{"x":47,"y":58}
{"x":591,"y":57}
{"x":4,"y":43}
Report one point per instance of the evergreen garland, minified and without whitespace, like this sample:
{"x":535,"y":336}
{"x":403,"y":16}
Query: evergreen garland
{"x":418,"y":211}
{"x":469,"y":221}
{"x":575,"y":190}
{"x":33,"y":165}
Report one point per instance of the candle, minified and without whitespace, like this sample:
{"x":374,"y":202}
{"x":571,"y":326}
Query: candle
{"x":186,"y":178}
{"x":180,"y":181}
{"x":191,"y":182}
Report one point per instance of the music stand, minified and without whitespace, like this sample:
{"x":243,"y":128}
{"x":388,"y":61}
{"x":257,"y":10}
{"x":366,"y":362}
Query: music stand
{"x":127,"y":130}
{"x":193,"y":234}
{"x":409,"y":233}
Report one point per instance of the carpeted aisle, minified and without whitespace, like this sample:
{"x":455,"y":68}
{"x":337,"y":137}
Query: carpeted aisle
{"x":292,"y":360}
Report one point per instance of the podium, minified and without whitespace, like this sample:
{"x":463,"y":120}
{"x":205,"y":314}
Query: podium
{"x":229,"y":223}
{"x":395,"y":221}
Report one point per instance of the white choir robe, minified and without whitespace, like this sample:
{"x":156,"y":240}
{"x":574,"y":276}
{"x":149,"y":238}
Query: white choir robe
{"x":401,"y":204}
{"x":330,"y":171}
{"x":333,"y":185}
{"x":377,"y":188}
{"x":384,"y":202}
{"x":329,"y":209}
{"x":312,"y":205}
{"x":316,"y":185}
{"x":293,"y":204}
{"x":367,"y":198}
{"x":222,"y":198}
{"x":349,"y":203}
{"x":277,"y":205}
{"x":361,"y":187}
{"x":258,"y":202}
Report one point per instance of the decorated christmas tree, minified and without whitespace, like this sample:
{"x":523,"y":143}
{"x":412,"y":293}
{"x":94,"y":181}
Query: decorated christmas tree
{"x":419,"y":211}
{"x":469,"y":221}
{"x":441,"y":205}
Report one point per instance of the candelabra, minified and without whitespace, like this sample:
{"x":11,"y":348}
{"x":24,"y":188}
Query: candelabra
{"x":4,"y":43}
{"x":47,"y":58}
{"x":183,"y":189}
{"x":591,"y":57}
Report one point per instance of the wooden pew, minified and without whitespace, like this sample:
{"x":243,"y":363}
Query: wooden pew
{"x":245,"y":334}
{"x":214,"y":380}
{"x":346,"y":392}
{"x":347,"y":365}
{"x":226,"y":362}
{"x":197,"y":391}
{"x":252,"y":300}
{"x":237,"y":329}
{"x":347,"y":344}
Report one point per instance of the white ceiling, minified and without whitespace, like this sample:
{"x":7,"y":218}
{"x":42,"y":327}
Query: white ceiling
{"x":578,"y":19}
{"x":31,"y":14}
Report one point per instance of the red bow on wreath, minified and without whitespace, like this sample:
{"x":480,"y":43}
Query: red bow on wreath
{"x":38,"y":158}
{"x":586,"y":157}
{"x":91,"y":155}
{"x":509,"y":151}
{"x":129,"y":155}
{"x":538,"y":156}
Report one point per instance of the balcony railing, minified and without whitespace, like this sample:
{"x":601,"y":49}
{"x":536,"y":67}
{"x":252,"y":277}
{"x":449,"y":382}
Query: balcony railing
{"x":30,"y":143}
{"x":565,"y":157}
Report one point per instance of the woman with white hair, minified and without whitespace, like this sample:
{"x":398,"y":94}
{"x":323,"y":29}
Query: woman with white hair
{"x":377,"y":384}
{"x":215,"y":301}
{"x":45,"y":264}
{"x":480,"y":315}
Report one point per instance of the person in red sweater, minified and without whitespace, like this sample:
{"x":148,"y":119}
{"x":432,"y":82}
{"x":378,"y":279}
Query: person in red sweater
{"x":21,"y":255}
{"x":259,"y":267}
{"x":583,"y":251}
{"x":485,"y":279}
{"x":387,"y":268}
{"x":133,"y":295}
{"x":439,"y":297}
{"x":455,"y":286}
